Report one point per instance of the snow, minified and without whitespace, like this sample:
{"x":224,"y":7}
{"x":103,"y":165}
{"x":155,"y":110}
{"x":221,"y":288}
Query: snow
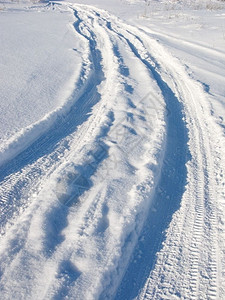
{"x":111,"y":158}
{"x":38,"y":72}
{"x":197,"y":38}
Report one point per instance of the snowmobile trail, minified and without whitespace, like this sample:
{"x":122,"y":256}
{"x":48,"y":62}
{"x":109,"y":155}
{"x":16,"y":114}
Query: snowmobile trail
{"x":122,"y":197}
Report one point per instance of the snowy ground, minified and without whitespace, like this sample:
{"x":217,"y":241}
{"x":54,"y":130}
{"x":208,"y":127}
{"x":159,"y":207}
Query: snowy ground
{"x":112,"y":150}
{"x":38,"y":71}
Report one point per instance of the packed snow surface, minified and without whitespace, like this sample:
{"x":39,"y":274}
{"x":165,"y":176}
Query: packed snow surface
{"x":112,"y":150}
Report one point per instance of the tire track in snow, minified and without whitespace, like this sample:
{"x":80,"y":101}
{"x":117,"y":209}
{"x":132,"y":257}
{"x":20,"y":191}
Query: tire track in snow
{"x":21,"y":176}
{"x":44,"y":247}
{"x":49,"y":151}
{"x":166,"y":187}
{"x":200,"y":276}
{"x":204,"y":210}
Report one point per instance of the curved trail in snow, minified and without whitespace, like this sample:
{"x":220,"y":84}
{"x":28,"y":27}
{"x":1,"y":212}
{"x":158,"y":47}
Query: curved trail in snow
{"x":122,"y":197}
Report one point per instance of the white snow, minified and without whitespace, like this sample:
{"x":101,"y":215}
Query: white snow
{"x":39,"y":70}
{"x":111,"y":156}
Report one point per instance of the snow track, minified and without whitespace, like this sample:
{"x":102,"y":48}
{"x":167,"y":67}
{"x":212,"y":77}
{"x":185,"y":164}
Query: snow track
{"x":122,"y":197}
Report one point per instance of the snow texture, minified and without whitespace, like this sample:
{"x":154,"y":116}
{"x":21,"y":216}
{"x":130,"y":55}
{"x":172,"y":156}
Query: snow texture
{"x":111,"y":156}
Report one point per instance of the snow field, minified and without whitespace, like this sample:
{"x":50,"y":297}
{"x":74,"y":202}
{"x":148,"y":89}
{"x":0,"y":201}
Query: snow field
{"x":121,"y":195}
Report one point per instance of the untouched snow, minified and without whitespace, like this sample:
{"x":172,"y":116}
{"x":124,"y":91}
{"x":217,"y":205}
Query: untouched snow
{"x":112,"y":161}
{"x":38,"y":72}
